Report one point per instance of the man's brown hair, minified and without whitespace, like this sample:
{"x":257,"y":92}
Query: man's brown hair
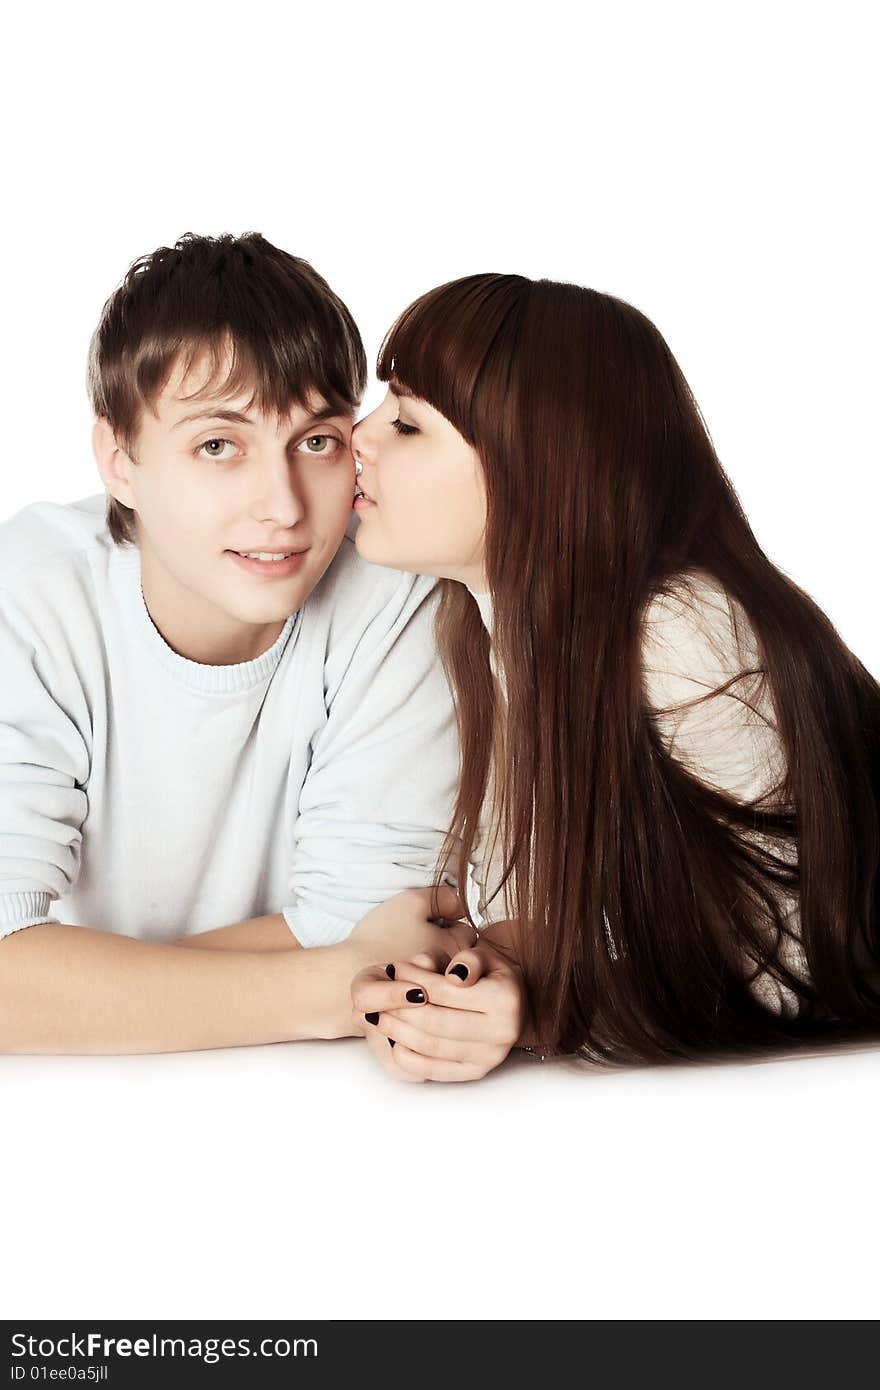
{"x":265,"y":319}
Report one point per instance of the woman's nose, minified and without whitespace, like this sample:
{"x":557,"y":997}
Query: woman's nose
{"x":362,"y":440}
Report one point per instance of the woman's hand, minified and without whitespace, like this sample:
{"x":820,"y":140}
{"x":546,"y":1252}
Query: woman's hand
{"x":441,"y":1016}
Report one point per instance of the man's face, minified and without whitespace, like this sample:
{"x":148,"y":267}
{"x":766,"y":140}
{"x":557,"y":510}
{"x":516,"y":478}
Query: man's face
{"x":214,"y":481}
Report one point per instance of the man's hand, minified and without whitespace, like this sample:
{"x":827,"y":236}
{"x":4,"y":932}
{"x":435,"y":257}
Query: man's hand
{"x":442,"y":1015}
{"x":402,"y":927}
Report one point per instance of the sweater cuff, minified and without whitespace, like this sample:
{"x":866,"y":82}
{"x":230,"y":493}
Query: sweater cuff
{"x":18,"y":910}
{"x":314,"y":928}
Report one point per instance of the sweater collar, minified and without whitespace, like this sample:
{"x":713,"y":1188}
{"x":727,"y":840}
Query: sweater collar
{"x":195,"y":675}
{"x":484,"y":603}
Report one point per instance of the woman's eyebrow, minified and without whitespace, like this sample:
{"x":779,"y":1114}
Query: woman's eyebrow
{"x":397,"y":390}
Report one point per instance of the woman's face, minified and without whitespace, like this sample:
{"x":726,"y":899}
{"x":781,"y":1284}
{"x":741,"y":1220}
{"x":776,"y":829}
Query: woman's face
{"x":424,"y":504}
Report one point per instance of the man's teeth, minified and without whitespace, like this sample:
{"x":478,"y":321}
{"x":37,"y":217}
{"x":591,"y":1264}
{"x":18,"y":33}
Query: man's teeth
{"x":263,"y":555}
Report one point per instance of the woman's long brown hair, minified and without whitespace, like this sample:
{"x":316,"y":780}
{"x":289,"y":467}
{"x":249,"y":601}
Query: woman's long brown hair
{"x":646,"y":900}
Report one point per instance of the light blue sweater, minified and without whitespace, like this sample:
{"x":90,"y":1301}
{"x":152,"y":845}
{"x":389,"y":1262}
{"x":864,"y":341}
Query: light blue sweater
{"x":146,"y":794}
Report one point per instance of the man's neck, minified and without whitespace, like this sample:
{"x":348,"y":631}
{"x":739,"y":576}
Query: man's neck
{"x":195,"y":628}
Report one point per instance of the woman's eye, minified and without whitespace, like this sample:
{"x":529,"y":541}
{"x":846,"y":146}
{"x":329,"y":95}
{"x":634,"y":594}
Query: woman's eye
{"x":402,"y":428}
{"x":323,"y":444}
{"x":213,"y":449}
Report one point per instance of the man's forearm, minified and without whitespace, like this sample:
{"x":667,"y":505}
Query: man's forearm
{"x":257,"y":934}
{"x":67,"y":989}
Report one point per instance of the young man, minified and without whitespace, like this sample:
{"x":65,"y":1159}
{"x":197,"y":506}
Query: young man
{"x":212,"y":710}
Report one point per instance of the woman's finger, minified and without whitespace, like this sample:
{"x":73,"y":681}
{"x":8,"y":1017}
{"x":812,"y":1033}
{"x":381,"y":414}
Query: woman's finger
{"x":450,"y":1033}
{"x":418,"y":1068}
{"x":425,"y":960}
{"x":466,"y":967}
{"x":395,"y":1027}
{"x":449,"y":905}
{"x":383,"y":1051}
{"x":457,"y":1025}
{"x":374,"y":989}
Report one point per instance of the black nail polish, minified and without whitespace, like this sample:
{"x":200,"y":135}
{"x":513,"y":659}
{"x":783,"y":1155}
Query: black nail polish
{"x":460,"y":970}
{"x":390,"y":1042}
{"x":372,"y":1018}
{"x":415,"y":996}
{"x":389,"y":971}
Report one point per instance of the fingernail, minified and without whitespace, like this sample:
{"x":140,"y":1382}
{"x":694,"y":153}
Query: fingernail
{"x":372,"y":1018}
{"x":415,"y":996}
{"x":390,"y":1042}
{"x":460,"y":970}
{"x":389,"y":971}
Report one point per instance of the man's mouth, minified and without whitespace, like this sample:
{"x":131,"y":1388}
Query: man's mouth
{"x":271,"y":556}
{"x":270,"y":564}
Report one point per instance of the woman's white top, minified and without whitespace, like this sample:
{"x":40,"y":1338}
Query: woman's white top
{"x":698,"y":646}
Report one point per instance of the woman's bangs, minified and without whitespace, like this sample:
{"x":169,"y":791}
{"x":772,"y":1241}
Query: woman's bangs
{"x":439,"y":347}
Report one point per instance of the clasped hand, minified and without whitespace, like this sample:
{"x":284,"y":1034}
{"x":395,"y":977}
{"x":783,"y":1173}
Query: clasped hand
{"x":449,"y":1012}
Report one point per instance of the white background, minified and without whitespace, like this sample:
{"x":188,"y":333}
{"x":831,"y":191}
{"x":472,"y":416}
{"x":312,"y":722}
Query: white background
{"x":716,"y":166}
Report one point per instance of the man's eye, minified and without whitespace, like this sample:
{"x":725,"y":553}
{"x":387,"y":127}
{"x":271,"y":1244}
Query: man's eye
{"x":320,"y":444}
{"x":213,"y":449}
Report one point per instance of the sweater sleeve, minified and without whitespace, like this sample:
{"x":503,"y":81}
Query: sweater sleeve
{"x":377,"y":801}
{"x":43,"y":772}
{"x":712,"y":707}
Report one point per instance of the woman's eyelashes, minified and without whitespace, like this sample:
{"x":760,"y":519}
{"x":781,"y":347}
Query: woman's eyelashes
{"x":401,"y":427}
{"x":318,"y":445}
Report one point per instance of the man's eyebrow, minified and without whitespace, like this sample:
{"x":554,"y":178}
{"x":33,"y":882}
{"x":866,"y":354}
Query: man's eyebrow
{"x":234,"y":415}
{"x":324,"y":412}
{"x":330,"y":412}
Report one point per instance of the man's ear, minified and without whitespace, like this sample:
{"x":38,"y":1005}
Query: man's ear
{"x":114,"y":464}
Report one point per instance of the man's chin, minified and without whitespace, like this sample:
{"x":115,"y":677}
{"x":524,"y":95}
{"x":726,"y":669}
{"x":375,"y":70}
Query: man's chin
{"x":276,"y":610}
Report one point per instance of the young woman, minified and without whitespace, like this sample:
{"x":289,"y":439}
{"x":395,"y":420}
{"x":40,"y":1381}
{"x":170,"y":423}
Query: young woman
{"x":669,"y":757}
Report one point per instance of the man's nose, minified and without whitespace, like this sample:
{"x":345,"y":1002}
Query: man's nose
{"x":281,"y":499}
